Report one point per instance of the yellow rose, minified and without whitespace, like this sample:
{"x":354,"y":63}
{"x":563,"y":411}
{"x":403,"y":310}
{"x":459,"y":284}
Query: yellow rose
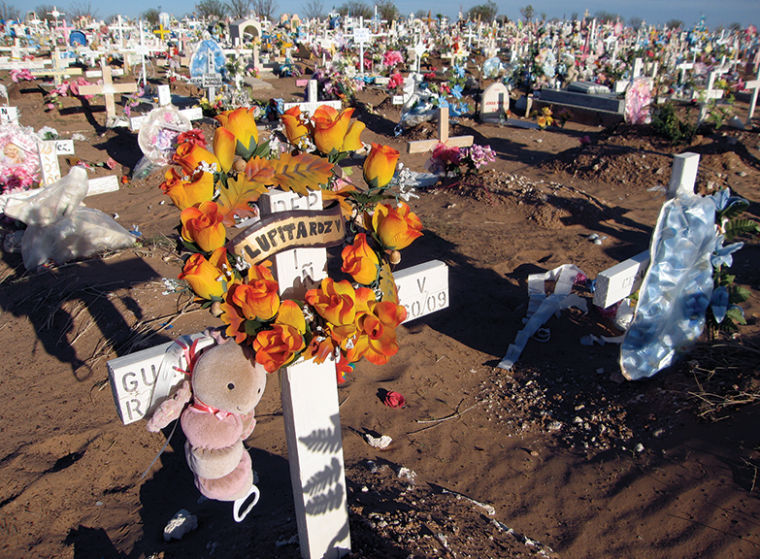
{"x":202,"y":225}
{"x":186,"y":193}
{"x":380,"y":165}
{"x":242,"y":124}
{"x":295,"y":128}
{"x":224,"y":148}
{"x":396,"y":226}
{"x":206,"y":277}
{"x":330,"y":128}
{"x":360,"y":261}
{"x":190,"y":155}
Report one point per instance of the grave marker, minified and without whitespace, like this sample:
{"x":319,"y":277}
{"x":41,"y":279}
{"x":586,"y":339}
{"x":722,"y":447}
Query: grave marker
{"x":309,"y":391}
{"x":108,"y":89}
{"x":618,"y":282}
{"x":59,"y":71}
{"x":753,"y":85}
{"x":495,"y":103}
{"x":709,"y":94}
{"x":312,"y":101}
{"x":422,"y":146}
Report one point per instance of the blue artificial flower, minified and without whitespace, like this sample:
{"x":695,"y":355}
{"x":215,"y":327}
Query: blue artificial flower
{"x":456,"y":91}
{"x":719,"y":303}
{"x":722,"y":254}
{"x":459,"y":70}
{"x":720,"y":198}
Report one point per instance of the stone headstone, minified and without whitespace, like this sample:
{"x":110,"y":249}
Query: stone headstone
{"x":495,"y":103}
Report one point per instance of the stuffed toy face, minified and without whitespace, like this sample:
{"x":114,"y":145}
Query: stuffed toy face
{"x":228,"y":379}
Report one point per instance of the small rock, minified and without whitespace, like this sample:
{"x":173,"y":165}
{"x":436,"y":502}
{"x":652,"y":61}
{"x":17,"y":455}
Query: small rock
{"x":742,"y":173}
{"x":365,"y":489}
{"x":639,"y":447}
{"x":658,"y":433}
{"x":179,"y":525}
{"x":380,"y":443}
{"x":407,"y":475}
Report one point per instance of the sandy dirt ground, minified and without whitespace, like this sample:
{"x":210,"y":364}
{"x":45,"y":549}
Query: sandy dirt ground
{"x":575,"y":462}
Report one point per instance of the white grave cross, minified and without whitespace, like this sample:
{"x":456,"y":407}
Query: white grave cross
{"x":309,"y":390}
{"x":108,"y":89}
{"x":312,"y":100}
{"x":754,"y":85}
{"x":618,"y":282}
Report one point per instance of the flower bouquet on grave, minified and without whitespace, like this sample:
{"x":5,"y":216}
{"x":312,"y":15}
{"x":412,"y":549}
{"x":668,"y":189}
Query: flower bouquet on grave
{"x":349,"y":317}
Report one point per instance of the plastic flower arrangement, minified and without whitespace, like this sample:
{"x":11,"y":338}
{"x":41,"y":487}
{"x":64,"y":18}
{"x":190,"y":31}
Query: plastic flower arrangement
{"x":392,"y":58}
{"x":724,"y":311}
{"x":460,"y":161}
{"x":545,"y":118}
{"x":349,"y":317}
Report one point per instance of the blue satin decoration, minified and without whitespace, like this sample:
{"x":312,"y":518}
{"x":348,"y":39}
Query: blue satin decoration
{"x":676,"y":290}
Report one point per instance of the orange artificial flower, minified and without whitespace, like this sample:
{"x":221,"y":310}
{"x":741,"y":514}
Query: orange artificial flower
{"x":224,"y":148}
{"x":360,"y":261}
{"x":190,"y":155}
{"x":185,"y":193}
{"x":320,"y":348}
{"x":241,"y":123}
{"x":278,"y":346}
{"x":396,"y":226}
{"x":232,"y":317}
{"x":380,"y":165}
{"x":376,"y":333}
{"x":295,"y":127}
{"x":334,"y":301}
{"x":258,"y":298}
{"x":207,"y":277}
{"x":202,"y":225}
{"x":341,"y":190}
{"x":352,"y":141}
{"x":375,"y":341}
{"x":330,"y":128}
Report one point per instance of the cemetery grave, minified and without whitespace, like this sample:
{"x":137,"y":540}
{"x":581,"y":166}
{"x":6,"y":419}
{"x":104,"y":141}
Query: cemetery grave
{"x":557,"y":457}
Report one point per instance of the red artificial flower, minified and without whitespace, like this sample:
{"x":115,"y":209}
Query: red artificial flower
{"x":394,"y":400}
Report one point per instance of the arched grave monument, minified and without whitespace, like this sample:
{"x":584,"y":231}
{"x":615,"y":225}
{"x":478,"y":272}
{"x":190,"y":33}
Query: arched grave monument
{"x":245,"y":31}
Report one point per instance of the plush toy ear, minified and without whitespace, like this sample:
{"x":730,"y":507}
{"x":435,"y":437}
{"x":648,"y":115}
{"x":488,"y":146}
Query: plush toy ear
{"x":171,"y":408}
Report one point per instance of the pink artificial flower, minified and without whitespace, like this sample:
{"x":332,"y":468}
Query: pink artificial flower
{"x":395,"y":81}
{"x":391,"y":58}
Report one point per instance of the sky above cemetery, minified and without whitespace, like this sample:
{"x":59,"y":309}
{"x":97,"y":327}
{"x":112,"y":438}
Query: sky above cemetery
{"x":716,"y":12}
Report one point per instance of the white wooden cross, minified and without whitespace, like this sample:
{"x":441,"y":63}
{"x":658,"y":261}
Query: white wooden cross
{"x":422,"y":146}
{"x":682,"y":69}
{"x":120,"y":27}
{"x":164,"y":99}
{"x":618,"y":282}
{"x":312,"y":101}
{"x":108,"y":89}
{"x":361,"y":38}
{"x":59,"y":71}
{"x":309,"y":390}
{"x":709,"y":94}
{"x":50,"y":172}
{"x":754,"y":85}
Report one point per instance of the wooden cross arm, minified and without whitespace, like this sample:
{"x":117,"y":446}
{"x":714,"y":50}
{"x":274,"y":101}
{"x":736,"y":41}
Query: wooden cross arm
{"x":64,"y":72}
{"x":100,"y":90}
{"x":422,"y":146}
